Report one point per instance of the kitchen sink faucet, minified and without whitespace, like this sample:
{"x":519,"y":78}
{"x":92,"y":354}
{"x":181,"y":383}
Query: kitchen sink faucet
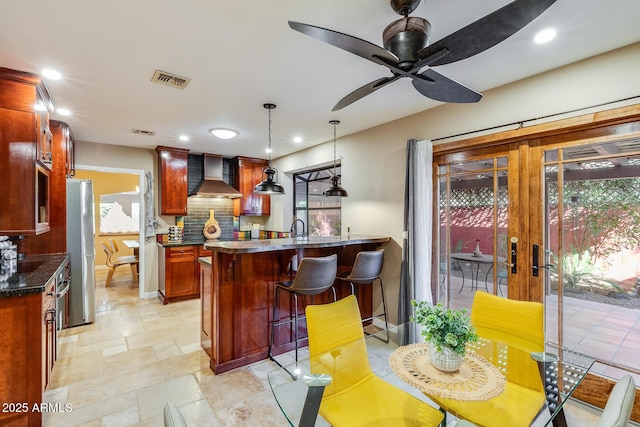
{"x":294,"y":227}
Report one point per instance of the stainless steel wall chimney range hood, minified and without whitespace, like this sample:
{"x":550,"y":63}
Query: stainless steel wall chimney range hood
{"x":212,"y":185}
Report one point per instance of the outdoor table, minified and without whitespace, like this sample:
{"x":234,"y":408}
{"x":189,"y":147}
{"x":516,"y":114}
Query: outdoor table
{"x":476,"y":261}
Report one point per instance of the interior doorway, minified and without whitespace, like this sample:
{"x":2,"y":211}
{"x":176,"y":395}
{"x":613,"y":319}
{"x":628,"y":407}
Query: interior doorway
{"x":133,"y":178}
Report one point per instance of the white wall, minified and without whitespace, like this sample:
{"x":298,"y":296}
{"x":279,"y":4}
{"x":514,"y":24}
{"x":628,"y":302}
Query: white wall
{"x":373,"y":161}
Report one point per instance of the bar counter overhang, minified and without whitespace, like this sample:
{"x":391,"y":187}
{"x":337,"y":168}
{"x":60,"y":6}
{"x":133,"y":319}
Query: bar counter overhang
{"x":237,"y":289}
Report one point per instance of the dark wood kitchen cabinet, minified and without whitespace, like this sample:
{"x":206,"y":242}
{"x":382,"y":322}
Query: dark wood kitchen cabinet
{"x":247,"y":173}
{"x":173,"y":172}
{"x":28,"y":349}
{"x":178,"y":273}
{"x":55,"y":241}
{"x":26,"y":153}
{"x":48,"y":332}
{"x":206,"y":307}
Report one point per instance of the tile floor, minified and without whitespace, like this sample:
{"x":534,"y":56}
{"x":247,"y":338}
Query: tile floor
{"x":120,"y":370}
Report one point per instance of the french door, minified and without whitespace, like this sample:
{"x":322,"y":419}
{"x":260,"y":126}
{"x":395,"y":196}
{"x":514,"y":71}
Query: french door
{"x":552,"y":214}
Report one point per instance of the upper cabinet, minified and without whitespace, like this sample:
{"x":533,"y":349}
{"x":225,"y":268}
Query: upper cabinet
{"x":247,"y":173}
{"x":172,"y":168}
{"x":26,"y":153}
{"x":56,"y":239}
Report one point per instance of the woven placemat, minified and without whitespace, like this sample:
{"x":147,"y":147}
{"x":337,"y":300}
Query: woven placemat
{"x":477,"y":378}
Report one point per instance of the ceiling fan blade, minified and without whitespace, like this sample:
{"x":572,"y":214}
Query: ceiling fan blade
{"x":488,"y":31}
{"x":346,"y":42}
{"x":364,"y":91}
{"x":436,"y":86}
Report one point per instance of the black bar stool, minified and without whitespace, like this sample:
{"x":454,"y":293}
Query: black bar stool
{"x":315,"y":275}
{"x":366,"y":269}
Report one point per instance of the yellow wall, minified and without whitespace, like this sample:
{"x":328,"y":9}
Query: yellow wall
{"x":108,"y":183}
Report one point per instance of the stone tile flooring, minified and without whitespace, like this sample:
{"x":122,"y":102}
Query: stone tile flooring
{"x":120,"y":370}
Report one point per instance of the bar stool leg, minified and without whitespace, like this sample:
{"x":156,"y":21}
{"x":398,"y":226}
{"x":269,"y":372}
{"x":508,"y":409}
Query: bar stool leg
{"x":295,"y":323}
{"x":384,"y":309}
{"x":273,"y":324}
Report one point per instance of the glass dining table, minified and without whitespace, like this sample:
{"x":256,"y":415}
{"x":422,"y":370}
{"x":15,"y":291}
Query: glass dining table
{"x":298,"y":391}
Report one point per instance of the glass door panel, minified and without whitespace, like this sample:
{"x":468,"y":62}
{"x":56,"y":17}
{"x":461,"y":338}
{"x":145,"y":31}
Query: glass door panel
{"x":473,"y":208}
{"x":592,"y":250}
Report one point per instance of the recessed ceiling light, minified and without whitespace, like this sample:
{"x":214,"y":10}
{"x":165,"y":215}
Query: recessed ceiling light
{"x":268,"y":150}
{"x":297,"y":139}
{"x":51,"y":74}
{"x":545,"y":35}
{"x":184,"y":138}
{"x":63,"y":111}
{"x":223,"y":133}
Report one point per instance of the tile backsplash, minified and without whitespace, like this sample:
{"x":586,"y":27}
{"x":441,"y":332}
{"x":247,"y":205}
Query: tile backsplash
{"x":198,"y":214}
{"x":198,"y":207}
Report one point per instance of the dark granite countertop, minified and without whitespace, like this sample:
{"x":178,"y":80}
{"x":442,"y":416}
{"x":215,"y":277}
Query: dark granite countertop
{"x":34,"y":271}
{"x":268,"y":245}
{"x":183,"y":243}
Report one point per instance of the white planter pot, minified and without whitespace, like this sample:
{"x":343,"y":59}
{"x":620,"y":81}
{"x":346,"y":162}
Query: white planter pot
{"x":446,"y":360}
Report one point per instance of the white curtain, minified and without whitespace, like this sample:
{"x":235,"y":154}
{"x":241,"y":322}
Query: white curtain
{"x":415,"y":277}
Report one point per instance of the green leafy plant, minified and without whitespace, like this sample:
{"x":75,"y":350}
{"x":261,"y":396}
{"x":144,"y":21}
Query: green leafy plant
{"x":444,"y":327}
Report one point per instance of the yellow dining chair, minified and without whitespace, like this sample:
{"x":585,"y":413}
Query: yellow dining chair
{"x":518,"y":327}
{"x":356,"y":396}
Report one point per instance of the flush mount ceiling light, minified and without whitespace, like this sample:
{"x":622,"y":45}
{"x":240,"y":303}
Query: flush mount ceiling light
{"x":269,"y":186}
{"x":335,"y":190}
{"x":223,"y":133}
{"x":63,"y":111}
{"x":184,"y":138}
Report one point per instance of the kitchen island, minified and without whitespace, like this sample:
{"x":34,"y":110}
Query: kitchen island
{"x":237,"y":289}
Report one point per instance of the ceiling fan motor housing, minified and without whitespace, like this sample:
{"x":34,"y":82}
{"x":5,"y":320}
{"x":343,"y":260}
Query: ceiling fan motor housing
{"x":404,"y":7}
{"x":405,"y":37}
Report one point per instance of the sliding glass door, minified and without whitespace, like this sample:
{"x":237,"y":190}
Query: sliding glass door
{"x":473,"y":228}
{"x":553,"y":215}
{"x":589,"y":261}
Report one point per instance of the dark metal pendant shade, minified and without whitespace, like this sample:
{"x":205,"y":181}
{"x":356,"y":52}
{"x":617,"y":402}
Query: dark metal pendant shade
{"x":269,"y":185}
{"x":335,"y":189}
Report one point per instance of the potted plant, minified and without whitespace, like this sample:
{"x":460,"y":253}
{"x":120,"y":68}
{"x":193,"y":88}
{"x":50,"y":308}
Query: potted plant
{"x":447,"y":332}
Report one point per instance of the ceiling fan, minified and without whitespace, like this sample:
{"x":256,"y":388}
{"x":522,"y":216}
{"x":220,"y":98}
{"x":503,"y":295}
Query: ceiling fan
{"x":407,"y":50}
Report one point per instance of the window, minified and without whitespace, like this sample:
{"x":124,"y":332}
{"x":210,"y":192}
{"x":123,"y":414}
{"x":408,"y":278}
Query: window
{"x":322,"y":215}
{"x":120,"y":213}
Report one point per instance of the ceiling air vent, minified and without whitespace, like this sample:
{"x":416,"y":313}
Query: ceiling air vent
{"x":171,"y":80}
{"x":143,"y":132}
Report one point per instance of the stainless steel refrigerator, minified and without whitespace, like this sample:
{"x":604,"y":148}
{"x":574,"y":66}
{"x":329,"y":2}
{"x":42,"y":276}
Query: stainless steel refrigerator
{"x":81,"y":249}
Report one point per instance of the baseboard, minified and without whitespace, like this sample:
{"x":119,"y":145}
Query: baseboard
{"x":153,"y":294}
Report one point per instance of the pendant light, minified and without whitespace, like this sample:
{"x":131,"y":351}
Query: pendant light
{"x":269,"y":186}
{"x":335,"y":189}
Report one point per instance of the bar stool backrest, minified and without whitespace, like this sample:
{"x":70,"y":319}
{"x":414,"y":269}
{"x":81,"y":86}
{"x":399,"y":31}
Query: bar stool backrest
{"x":367,"y":266}
{"x":315,"y":275}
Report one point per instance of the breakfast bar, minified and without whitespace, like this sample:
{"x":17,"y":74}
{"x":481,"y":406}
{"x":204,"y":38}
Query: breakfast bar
{"x":237,"y":288}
